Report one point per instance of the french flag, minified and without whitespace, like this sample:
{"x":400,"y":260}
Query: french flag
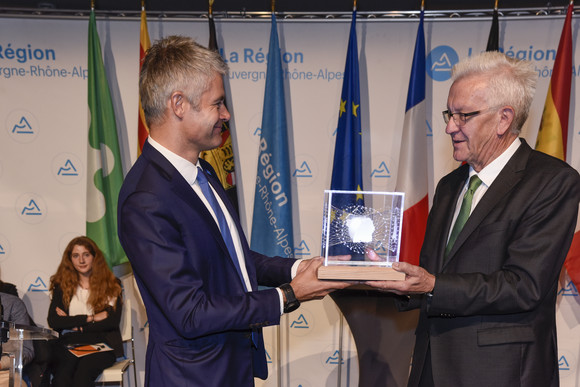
{"x":412,"y":178}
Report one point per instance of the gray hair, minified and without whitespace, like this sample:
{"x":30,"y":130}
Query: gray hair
{"x":176,"y":63}
{"x":509,"y":82}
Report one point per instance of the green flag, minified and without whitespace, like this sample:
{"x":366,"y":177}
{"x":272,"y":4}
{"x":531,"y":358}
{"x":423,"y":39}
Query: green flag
{"x":104,"y":170}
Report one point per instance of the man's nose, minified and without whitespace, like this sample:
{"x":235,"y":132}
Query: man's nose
{"x":451,"y":127}
{"x":224,"y":113}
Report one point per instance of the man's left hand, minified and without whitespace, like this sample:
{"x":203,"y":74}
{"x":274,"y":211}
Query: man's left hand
{"x":417,"y":280}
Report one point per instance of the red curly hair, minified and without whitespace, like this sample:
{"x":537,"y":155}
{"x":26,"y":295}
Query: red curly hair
{"x":103,"y":284}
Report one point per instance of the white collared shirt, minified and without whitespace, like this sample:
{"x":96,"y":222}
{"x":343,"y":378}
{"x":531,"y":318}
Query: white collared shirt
{"x":487,"y":176}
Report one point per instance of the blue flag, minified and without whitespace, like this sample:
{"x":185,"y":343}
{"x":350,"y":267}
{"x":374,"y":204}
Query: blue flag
{"x":347,"y":165}
{"x":272,"y":223}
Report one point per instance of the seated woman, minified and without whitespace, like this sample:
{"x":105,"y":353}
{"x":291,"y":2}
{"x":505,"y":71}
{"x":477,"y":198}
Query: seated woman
{"x":85,"y":309}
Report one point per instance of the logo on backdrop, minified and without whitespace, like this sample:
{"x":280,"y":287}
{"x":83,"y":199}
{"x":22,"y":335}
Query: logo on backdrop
{"x":566,"y":362}
{"x":302,"y":251}
{"x":268,"y":357}
{"x":36,"y":282}
{"x":67,"y":168}
{"x":301,"y":324}
{"x":569,"y":290}
{"x":22,"y":126}
{"x":31,"y":208}
{"x":330,"y":357}
{"x":440,"y":61}
{"x":37,"y":286}
{"x":303,"y":170}
{"x":4,"y":248}
{"x":563,"y":364}
{"x":306,"y":171}
{"x":334,"y":358}
{"x":382,"y":171}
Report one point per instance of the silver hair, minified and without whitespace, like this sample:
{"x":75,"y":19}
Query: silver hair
{"x":510,"y":82}
{"x":176,"y":63}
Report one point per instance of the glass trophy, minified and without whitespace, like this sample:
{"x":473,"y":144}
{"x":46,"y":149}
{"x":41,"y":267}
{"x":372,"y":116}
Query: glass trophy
{"x":361,"y":235}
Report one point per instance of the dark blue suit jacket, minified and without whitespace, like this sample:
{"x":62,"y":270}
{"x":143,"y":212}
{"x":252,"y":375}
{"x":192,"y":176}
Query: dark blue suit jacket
{"x":200,"y":317}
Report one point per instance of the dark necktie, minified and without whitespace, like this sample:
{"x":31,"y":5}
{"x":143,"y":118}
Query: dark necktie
{"x":222,"y":222}
{"x":464,"y":212}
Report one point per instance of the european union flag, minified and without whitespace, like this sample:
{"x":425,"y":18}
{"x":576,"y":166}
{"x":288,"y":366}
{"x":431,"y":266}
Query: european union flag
{"x":347,"y":166}
{"x":272,"y":232}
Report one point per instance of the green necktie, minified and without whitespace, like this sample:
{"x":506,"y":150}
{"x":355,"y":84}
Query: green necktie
{"x":464,"y":212}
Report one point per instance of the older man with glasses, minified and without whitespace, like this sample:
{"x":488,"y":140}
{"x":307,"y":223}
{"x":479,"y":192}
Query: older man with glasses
{"x":497,"y":236}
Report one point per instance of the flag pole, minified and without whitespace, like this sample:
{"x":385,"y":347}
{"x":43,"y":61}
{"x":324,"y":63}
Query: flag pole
{"x":210,"y":8}
{"x":342,"y":317}
{"x":285,"y":316}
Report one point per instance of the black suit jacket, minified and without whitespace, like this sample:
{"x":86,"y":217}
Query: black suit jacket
{"x":491,"y":319}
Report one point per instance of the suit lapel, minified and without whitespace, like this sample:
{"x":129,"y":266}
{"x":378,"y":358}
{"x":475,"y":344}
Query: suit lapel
{"x":183,"y":190}
{"x":509,"y":177}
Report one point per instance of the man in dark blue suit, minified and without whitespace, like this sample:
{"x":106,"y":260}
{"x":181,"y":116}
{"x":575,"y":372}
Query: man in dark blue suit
{"x":497,"y":235}
{"x":196,"y":273}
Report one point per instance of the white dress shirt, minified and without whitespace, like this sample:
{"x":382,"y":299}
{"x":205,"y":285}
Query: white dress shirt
{"x":487,"y":176}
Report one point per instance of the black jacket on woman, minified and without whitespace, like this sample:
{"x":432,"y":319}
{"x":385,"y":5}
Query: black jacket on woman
{"x":105,"y":331}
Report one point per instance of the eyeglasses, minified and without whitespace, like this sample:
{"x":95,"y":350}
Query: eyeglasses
{"x":459,"y":118}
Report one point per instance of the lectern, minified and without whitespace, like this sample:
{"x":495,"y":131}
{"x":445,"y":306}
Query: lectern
{"x":19,"y":333}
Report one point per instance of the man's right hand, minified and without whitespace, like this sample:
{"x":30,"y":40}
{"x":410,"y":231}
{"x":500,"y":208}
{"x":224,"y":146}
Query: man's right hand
{"x":306,"y":284}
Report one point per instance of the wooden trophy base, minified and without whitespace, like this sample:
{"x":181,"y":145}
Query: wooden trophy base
{"x":359,"y":273}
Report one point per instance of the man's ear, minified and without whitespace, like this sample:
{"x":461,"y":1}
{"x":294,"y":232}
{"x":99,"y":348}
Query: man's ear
{"x":506,"y":118}
{"x":178,"y":102}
